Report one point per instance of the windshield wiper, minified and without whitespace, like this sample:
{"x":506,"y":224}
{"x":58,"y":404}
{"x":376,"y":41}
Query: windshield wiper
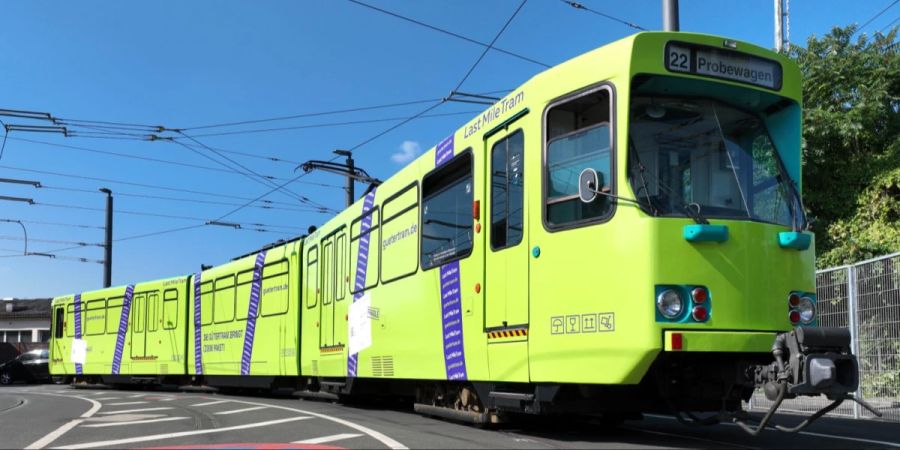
{"x":641,"y":169}
{"x":692,"y":209}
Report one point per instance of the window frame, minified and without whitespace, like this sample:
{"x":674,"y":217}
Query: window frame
{"x":166,"y":300}
{"x":468,"y":151}
{"x":263,"y":277}
{"x":376,"y":209}
{"x":613,"y":156}
{"x":115,"y":303}
{"x":309,"y":263}
{"x":342,"y":263}
{"x":58,"y":321}
{"x":212,"y":302}
{"x":490,"y":176}
{"x":86,"y":310}
{"x":385,"y":220}
{"x":215,"y":302}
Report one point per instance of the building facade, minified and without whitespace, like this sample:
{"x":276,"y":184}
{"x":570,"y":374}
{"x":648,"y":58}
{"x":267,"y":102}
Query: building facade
{"x":25,"y":321}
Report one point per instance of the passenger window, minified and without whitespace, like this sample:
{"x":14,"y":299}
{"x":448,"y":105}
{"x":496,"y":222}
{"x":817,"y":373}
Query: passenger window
{"x":579,"y":137}
{"x":242,"y":293}
{"x":399,"y":236}
{"x":58,"y":323}
{"x":274,"y":289}
{"x":312,"y":277}
{"x":447,"y":196}
{"x":341,"y":266}
{"x":170,"y":309}
{"x":206,"y":302}
{"x":369,"y":264}
{"x":327,"y":272}
{"x":507,"y":191}
{"x":139,"y":313}
{"x":113,"y":314}
{"x":95,"y":317}
{"x":153,"y":311}
{"x":70,"y":320}
{"x":224,"y":299}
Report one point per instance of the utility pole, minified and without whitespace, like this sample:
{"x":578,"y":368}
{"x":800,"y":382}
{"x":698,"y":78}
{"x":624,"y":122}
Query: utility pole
{"x":782,"y":25}
{"x":351,"y":195}
{"x":670,"y":15}
{"x":107,"y":247}
{"x":348,"y":169}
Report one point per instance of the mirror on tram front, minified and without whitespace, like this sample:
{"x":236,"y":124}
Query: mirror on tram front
{"x":588,"y":181}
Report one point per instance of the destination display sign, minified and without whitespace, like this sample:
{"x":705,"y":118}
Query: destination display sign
{"x":725,"y":64}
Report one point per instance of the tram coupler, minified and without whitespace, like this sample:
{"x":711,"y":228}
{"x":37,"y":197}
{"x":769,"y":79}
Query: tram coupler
{"x":809,"y":361}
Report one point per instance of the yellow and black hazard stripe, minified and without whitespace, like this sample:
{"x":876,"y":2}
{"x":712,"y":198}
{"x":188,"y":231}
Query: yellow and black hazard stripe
{"x":505,"y":334}
{"x":331,"y":349}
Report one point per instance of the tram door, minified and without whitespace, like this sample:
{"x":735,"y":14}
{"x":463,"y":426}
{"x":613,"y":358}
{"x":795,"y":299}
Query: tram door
{"x":139,"y":325}
{"x":506,"y":259}
{"x":327,"y":285}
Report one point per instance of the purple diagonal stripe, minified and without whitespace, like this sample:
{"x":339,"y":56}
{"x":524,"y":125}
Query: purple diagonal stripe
{"x":362,"y":263}
{"x":123,"y":328}
{"x":444,"y":151}
{"x":77,"y":313}
{"x":451,"y":310}
{"x":198,"y":352}
{"x":252,"y":312}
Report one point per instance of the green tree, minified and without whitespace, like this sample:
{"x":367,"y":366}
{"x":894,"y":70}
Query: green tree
{"x":851,"y":143}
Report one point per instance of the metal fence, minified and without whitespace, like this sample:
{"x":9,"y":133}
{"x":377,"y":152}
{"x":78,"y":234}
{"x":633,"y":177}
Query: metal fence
{"x":864,"y":297}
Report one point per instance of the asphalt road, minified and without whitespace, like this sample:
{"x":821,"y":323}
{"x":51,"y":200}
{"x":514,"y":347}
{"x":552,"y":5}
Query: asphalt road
{"x":54,"y":416}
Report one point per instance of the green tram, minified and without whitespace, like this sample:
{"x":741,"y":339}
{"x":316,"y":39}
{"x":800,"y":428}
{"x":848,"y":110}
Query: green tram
{"x":623,"y":233}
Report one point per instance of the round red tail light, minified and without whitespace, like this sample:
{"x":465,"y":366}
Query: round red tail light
{"x":794,"y":316}
{"x":794,"y":300}
{"x":700,"y":314}
{"x":700,"y":295}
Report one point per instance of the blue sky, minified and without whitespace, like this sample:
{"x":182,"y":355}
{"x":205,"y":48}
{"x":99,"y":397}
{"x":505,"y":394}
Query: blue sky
{"x":187,"y":64}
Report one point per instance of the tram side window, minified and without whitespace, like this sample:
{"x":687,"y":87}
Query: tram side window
{"x":447,"y":196}
{"x":312,"y":277}
{"x":113,"y":314}
{"x":341,"y":266}
{"x":153,"y":311}
{"x":274,"y":289}
{"x":242,"y":294}
{"x":170,"y":309}
{"x":360,"y":240}
{"x":223,"y":299}
{"x":58,"y":323}
{"x":399,"y":234}
{"x":70,"y":320}
{"x":95,"y":317}
{"x":579,"y":137}
{"x":507,"y":191}
{"x":206,"y":302}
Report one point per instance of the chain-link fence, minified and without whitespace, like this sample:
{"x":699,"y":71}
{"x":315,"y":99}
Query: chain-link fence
{"x":864,"y":297}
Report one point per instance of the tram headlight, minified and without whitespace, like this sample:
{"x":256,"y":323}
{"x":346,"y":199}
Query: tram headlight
{"x":669,"y":303}
{"x":807,"y":310}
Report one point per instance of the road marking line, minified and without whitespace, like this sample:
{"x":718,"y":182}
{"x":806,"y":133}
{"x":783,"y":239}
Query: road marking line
{"x":380,"y":437}
{"x":235,"y":411}
{"x":808,"y":433}
{"x":126,"y":411}
{"x":126,"y":403}
{"x":55,"y":434}
{"x":155,"y":437}
{"x":324,"y":439}
{"x":109,"y":398}
{"x":134,"y":422}
{"x":219,"y":402}
{"x":136,"y":395}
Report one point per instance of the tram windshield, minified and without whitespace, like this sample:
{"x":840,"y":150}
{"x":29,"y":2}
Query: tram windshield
{"x":702,"y":158}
